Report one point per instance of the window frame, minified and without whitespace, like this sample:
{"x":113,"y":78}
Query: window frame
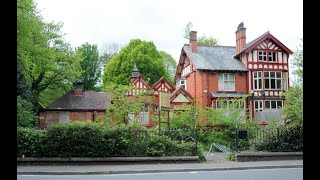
{"x":273,"y":56}
{"x":241,"y":103}
{"x":178,"y":83}
{"x":260,"y":105}
{"x":228,"y":80}
{"x":256,"y":80}
{"x":263,"y":56}
{"x":275,"y":78}
{"x":270,"y":104}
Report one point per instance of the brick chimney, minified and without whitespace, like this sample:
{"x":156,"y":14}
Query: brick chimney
{"x":78,"y":88}
{"x":193,"y":41}
{"x":240,"y":37}
{"x":134,"y":73}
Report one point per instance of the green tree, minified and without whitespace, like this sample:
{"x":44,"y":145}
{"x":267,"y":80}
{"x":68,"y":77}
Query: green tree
{"x":294,"y":96}
{"x":23,"y":87}
{"x":170,"y":65}
{"x":108,"y":51}
{"x":90,"y":65}
{"x":26,"y":117}
{"x":118,"y":111}
{"x":142,"y":53}
{"x":207,"y":41}
{"x":46,"y":59}
{"x":202,"y":40}
{"x":187,"y":30}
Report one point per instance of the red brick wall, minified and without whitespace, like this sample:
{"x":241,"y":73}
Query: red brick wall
{"x":206,"y":80}
{"x":52,"y":117}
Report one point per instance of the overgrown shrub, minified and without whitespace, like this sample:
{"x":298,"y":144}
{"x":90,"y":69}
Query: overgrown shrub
{"x":230,"y":156}
{"x":29,"y":142}
{"x":290,"y":139}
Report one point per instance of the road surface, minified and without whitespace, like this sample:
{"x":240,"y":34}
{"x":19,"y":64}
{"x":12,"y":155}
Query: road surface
{"x":249,"y":174}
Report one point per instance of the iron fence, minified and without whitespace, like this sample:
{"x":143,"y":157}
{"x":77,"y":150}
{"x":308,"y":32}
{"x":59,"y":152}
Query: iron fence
{"x":250,"y":138}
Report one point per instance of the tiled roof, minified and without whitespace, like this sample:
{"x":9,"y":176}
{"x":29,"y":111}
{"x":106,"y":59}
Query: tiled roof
{"x":215,"y":58}
{"x":254,"y":41}
{"x":90,"y":100}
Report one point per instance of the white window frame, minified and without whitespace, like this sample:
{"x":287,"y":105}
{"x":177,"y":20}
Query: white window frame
{"x":222,"y":80}
{"x":241,"y":103}
{"x":256,"y":80}
{"x":277,"y":104}
{"x":275,"y":78}
{"x":273,"y":58}
{"x":179,"y":83}
{"x":262,"y":56}
{"x":259,"y":107}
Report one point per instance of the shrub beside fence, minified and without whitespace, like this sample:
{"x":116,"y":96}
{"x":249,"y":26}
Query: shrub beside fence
{"x":271,"y":139}
{"x":83,"y":139}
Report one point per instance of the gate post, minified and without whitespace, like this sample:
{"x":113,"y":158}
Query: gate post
{"x":237,"y":139}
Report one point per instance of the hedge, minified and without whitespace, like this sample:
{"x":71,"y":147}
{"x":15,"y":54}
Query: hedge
{"x":87,"y":139}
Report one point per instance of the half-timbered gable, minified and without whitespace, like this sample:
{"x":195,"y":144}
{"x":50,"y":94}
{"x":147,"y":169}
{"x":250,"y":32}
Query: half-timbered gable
{"x":267,"y":61}
{"x":162,"y":85}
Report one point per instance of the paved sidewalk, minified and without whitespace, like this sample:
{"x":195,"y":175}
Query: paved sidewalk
{"x":153,"y":168}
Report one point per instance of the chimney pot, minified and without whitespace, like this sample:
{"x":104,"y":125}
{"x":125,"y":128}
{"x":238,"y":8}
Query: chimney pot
{"x":78,"y":88}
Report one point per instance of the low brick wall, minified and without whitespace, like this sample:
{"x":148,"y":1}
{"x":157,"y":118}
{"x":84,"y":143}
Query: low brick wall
{"x":268,"y":156}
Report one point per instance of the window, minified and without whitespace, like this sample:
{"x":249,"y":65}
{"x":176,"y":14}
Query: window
{"x":272,"y":56}
{"x":186,"y":70}
{"x":262,"y":56}
{"x":257,"y":76}
{"x":226,"y":82}
{"x":230,"y":104}
{"x":273,"y":104}
{"x":272,"y":80}
{"x":258,"y":106}
{"x":182,"y":82}
{"x":155,"y":111}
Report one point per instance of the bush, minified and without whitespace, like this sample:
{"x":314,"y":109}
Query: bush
{"x":26,"y":117}
{"x":29,"y":142}
{"x":88,"y":139}
{"x":290,"y":140}
{"x":230,"y":156}
{"x":77,"y":139}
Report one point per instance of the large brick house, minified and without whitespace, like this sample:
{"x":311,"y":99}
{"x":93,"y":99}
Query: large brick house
{"x":258,"y":69}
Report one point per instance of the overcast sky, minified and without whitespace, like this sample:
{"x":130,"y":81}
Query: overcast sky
{"x":163,"y":21}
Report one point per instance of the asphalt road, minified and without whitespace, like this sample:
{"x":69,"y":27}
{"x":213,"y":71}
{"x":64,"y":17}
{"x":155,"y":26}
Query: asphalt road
{"x":250,"y":174}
